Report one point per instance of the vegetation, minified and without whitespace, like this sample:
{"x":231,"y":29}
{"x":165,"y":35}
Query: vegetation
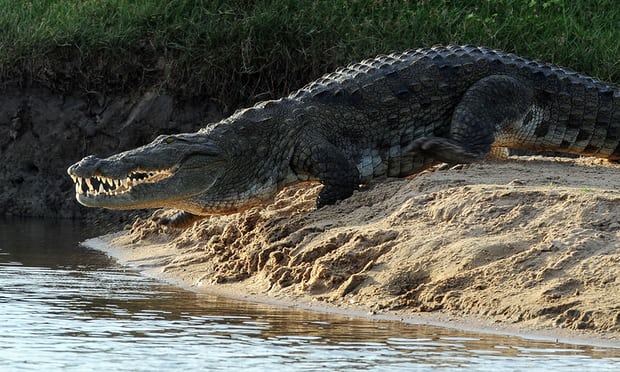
{"x":242,"y":51}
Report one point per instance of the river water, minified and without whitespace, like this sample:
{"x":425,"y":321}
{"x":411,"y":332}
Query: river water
{"x":68,"y":308}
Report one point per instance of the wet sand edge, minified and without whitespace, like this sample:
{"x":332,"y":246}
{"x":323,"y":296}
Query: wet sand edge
{"x":150,"y":265}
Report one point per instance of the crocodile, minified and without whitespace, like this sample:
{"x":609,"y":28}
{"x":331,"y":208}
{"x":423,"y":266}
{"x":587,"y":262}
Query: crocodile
{"x":390,"y":116}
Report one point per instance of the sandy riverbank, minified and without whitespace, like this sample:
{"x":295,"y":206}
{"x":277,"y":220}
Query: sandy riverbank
{"x":530,"y":245}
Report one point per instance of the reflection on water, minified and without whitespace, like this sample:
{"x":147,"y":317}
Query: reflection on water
{"x":64,"y":307}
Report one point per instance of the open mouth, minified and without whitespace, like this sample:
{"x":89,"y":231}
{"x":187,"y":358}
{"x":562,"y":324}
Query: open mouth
{"x":98,"y":185}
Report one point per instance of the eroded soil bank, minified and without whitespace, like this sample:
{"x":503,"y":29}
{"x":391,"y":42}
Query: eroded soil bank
{"x":531,"y":242}
{"x":42,"y":132}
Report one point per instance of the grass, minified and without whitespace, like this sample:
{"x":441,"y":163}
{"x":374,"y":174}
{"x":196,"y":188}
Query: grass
{"x":238,"y":52}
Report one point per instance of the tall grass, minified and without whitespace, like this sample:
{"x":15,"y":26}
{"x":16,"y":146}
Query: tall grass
{"x":242,"y":51}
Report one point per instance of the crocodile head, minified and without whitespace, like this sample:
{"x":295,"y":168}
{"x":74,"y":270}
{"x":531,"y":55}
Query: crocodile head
{"x":169,"y":172}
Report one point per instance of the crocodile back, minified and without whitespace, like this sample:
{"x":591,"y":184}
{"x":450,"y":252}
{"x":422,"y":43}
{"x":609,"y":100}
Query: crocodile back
{"x":397,"y":97}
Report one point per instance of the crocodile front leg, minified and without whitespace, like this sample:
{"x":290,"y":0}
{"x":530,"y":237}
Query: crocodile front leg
{"x":316,"y":158}
{"x":179,"y":220}
{"x":489,"y":105}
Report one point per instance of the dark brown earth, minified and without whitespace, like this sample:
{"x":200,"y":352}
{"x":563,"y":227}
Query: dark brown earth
{"x":42,"y":132}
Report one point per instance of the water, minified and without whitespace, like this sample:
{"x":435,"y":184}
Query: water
{"x":65,"y":307}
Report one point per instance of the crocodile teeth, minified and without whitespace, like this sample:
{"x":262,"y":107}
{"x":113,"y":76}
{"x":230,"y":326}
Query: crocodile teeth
{"x":99,"y":185}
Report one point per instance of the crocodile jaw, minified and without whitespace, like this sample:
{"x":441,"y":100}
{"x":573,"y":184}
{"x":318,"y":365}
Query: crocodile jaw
{"x":170,"y":172}
{"x":97,"y":189}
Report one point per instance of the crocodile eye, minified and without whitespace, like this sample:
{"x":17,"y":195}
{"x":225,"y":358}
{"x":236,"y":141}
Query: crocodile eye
{"x":170,"y":140}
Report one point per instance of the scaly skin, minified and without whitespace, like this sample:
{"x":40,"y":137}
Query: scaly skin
{"x":390,"y":116}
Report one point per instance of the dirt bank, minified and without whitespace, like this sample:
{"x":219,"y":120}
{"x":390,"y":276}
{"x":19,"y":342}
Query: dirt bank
{"x":42,"y":132}
{"x":529,"y":242}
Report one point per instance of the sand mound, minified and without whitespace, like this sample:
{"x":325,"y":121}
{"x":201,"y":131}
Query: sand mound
{"x":527,"y":241}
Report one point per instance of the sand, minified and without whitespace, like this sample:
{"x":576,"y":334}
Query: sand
{"x":527,"y":243}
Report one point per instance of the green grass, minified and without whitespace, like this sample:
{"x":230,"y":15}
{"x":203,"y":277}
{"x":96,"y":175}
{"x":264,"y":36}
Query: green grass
{"x":237,"y":52}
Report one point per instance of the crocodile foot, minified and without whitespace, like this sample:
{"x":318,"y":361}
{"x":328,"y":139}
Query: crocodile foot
{"x":444,"y":149}
{"x":178,"y":220}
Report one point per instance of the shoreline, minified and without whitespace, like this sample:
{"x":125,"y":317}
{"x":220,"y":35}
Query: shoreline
{"x":148,"y":266}
{"x":526,"y":247}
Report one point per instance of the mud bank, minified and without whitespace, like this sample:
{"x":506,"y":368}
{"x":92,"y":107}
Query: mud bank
{"x":42,"y":132}
{"x":529,"y":243}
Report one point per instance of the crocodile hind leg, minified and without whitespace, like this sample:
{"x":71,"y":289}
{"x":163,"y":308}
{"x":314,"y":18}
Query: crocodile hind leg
{"x":491,"y":104}
{"x":317,"y":159}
